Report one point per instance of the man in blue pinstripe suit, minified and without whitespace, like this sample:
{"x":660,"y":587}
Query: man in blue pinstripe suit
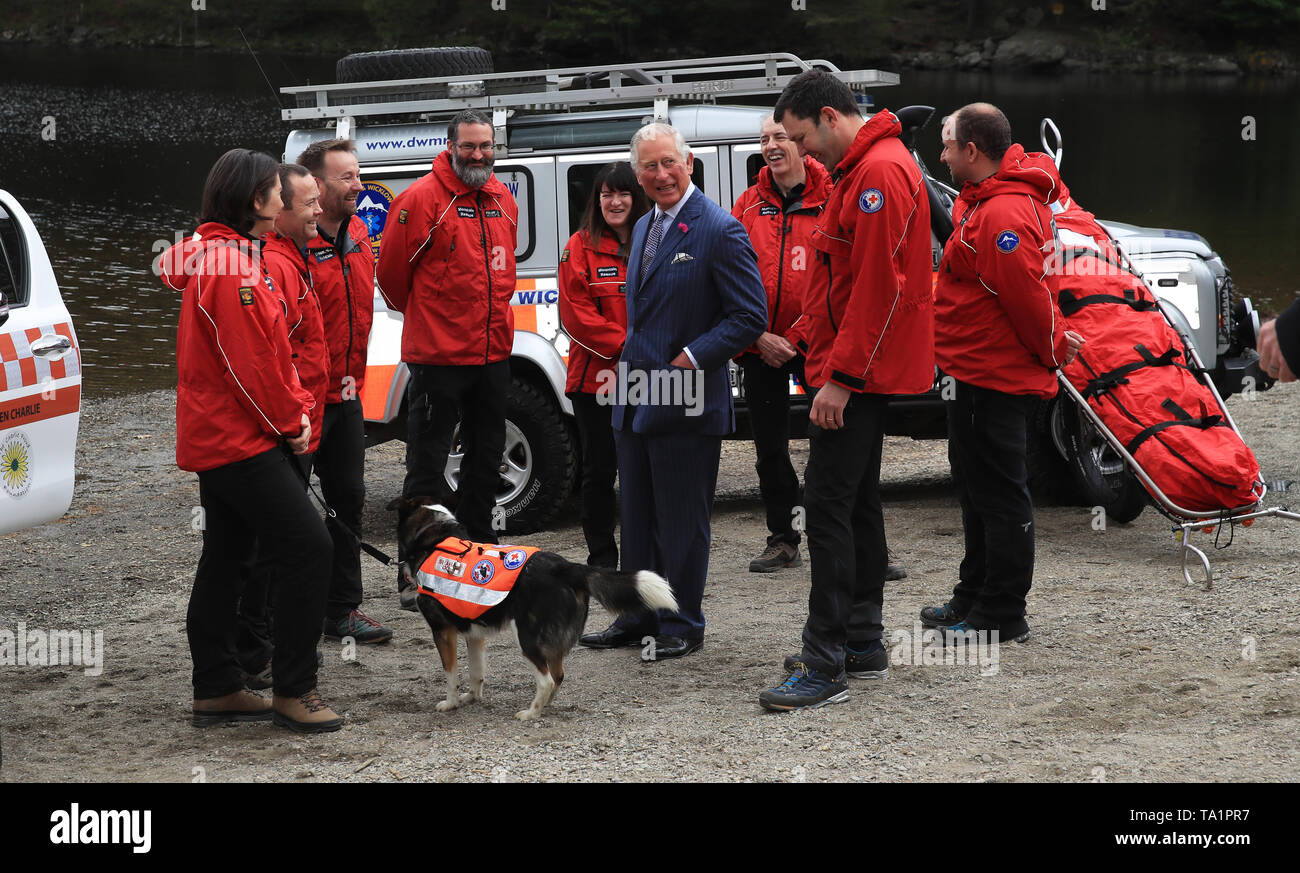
{"x":694,"y":300}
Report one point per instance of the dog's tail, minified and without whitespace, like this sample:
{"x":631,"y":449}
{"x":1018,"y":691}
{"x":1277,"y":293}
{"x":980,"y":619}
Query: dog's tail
{"x":624,"y":593}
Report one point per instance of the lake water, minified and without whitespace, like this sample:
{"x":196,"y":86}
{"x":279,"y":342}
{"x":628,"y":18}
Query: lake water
{"x":137,"y":130}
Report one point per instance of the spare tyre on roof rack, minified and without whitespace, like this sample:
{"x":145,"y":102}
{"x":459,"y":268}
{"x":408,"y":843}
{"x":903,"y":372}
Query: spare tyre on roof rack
{"x":417,"y":63}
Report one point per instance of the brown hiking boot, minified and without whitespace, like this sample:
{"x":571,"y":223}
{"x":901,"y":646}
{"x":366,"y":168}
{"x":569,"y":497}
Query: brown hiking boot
{"x":776,"y":556}
{"x":306,"y":715}
{"x":239,"y":706}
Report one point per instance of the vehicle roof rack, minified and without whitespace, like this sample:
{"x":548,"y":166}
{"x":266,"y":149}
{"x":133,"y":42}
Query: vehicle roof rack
{"x":657,"y":82}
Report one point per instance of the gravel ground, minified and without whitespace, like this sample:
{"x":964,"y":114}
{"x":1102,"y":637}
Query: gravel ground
{"x":1131,"y":674}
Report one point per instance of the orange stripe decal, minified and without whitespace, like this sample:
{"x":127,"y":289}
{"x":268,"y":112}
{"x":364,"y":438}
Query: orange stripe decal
{"x":374,"y":391}
{"x":34,"y":407}
{"x":526,"y":318}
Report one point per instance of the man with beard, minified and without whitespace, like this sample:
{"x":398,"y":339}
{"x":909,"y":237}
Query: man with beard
{"x":447,"y":262}
{"x":342,"y":269}
{"x":1000,"y":335}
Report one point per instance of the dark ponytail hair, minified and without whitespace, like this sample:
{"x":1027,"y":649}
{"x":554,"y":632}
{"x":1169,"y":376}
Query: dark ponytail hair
{"x":235,"y":180}
{"x":617,"y":176}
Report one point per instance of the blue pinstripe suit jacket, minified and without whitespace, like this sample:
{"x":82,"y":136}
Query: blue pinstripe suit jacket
{"x":704,"y":291}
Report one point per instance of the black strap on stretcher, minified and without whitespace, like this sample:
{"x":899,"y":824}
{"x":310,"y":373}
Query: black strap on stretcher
{"x":1181,"y":418}
{"x":1070,"y":305}
{"x":1119,"y":375}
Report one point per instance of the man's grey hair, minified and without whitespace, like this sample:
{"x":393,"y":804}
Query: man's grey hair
{"x":655,"y":130}
{"x":765,"y":119}
{"x":466,"y":116}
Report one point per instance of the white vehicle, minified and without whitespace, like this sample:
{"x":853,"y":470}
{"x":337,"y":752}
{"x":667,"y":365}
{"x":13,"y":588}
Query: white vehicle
{"x":555,"y":128}
{"x":40,"y":379}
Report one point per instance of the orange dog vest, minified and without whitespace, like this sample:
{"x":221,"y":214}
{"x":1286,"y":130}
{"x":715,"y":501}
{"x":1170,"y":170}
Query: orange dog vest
{"x":470,"y":578}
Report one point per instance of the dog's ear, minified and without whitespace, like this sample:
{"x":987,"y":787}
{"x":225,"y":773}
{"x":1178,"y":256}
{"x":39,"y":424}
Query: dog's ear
{"x":406,"y":504}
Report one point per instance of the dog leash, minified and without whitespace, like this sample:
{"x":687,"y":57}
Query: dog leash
{"x":329,"y":510}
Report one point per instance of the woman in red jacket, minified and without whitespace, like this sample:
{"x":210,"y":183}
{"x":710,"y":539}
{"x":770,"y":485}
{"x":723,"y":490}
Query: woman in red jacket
{"x":238,"y":404}
{"x":593,"y":269}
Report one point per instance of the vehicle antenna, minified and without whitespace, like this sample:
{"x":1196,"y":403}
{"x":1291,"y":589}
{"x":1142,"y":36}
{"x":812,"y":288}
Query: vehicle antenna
{"x":274,"y":93}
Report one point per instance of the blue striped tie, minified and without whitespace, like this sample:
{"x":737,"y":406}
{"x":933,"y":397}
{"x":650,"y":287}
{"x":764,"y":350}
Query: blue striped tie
{"x":652,"y":243}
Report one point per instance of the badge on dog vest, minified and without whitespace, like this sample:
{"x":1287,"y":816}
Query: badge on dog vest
{"x":470,"y":578}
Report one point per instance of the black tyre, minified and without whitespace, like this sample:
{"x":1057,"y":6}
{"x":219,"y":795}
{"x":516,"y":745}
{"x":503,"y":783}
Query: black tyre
{"x":413,"y":64}
{"x":1050,"y":479}
{"x":1087,"y":469}
{"x":538,"y":464}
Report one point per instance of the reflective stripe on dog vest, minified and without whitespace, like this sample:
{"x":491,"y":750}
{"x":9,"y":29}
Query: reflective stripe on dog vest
{"x":470,"y":578}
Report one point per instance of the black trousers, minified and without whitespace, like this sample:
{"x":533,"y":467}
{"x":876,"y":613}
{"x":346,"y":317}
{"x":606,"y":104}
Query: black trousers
{"x":340,"y":464}
{"x":986,"y":448}
{"x":436,"y":395}
{"x":599,"y":469}
{"x":258,"y":503}
{"x":767,"y":394}
{"x":253,"y":644}
{"x":846,"y":534}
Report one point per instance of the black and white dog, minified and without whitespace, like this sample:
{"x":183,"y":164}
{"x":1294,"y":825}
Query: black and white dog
{"x":548,"y":603}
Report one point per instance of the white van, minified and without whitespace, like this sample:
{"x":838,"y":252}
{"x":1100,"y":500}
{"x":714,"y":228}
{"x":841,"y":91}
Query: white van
{"x":40,"y":379}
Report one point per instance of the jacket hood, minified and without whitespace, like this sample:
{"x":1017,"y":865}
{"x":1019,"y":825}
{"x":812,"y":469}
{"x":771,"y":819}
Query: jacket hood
{"x":879,"y":126}
{"x":275,"y":242}
{"x":815,"y":188}
{"x":447,"y":176}
{"x":605,"y":243}
{"x":1020,"y":173}
{"x":178,"y":263}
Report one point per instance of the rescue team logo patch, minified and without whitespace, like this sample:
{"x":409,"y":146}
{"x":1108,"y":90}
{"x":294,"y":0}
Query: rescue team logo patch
{"x":322,"y":255}
{"x":606,"y":272}
{"x":768,"y":209}
{"x":483,"y":572}
{"x":564,"y":256}
{"x":246,"y":296}
{"x":514,"y":559}
{"x":1007,"y":242}
{"x":16,"y":465}
{"x":401,"y":217}
{"x":466,"y":212}
{"x":871,"y":200}
{"x":491,"y":213}
{"x":449,"y":566}
{"x":372,"y":208}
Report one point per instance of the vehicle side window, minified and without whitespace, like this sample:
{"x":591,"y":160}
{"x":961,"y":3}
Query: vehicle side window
{"x":752,"y":166}
{"x":13,"y":261}
{"x":580,"y":180}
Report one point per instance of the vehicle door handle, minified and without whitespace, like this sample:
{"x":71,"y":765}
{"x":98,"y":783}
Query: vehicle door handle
{"x":52,"y":345}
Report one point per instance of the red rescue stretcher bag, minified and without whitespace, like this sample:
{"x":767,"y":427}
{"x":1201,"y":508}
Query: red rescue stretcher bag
{"x":1135,"y":374}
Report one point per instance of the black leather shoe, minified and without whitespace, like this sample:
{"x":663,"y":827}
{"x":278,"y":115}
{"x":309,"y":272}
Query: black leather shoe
{"x":670,"y":647}
{"x":611,"y":637}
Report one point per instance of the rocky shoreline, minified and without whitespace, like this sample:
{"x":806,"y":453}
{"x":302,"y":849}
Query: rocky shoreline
{"x":1042,"y":50}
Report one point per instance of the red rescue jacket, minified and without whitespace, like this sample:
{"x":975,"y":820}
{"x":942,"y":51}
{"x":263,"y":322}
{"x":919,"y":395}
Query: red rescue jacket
{"x":470,"y":578}
{"x":869,"y":307}
{"x":343,"y":274}
{"x":782,"y":241}
{"x":237,"y":392}
{"x":997,"y":324}
{"x":447,"y":261}
{"x":311,"y":357}
{"x":593,"y":309}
